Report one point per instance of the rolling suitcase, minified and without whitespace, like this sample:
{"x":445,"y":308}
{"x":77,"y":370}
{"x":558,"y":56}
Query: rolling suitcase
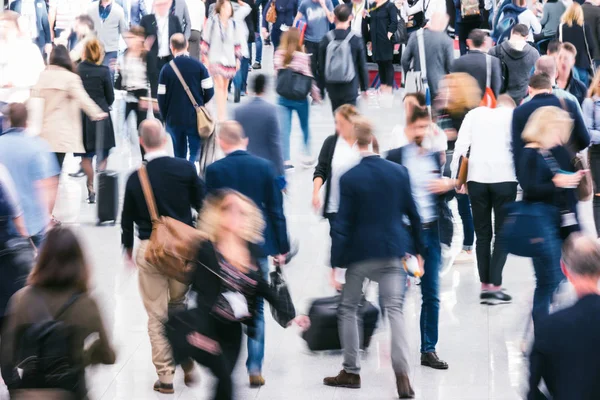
{"x":323,"y":332}
{"x":107,"y":189}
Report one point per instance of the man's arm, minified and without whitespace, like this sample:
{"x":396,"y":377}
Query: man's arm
{"x":580,"y":137}
{"x":198,"y":191}
{"x":461,"y":147}
{"x":415,"y":220}
{"x":187,"y":26}
{"x":322,"y":54}
{"x":328,"y":8}
{"x":163,"y":104}
{"x":343,"y":223}
{"x":128,"y":218}
{"x":496,"y":76}
{"x":407,"y":55}
{"x":274,"y":211}
{"x":275,"y":144}
{"x":207,"y":84}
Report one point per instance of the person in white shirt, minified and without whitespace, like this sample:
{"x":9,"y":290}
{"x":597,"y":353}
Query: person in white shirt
{"x":197,"y":10}
{"x":485,"y":139}
{"x":529,"y":19}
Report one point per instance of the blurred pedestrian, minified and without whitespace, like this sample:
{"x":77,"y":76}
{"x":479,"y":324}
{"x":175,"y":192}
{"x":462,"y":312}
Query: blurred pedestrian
{"x":110,"y":25}
{"x":58,"y":286}
{"x":569,"y":368}
{"x":383,"y":23}
{"x":566,"y":77}
{"x":286,"y":10}
{"x":36,"y":13}
{"x":84,"y":32}
{"x":177,"y":189}
{"x":369,"y":239}
{"x":34,"y":170}
{"x":591,"y":114}
{"x":591,"y":16}
{"x":290,"y":55}
{"x":572,"y":29}
{"x":98,"y":136}
{"x":464,"y":24}
{"x":61,"y":17}
{"x":197,"y":13}
{"x":255,"y":178}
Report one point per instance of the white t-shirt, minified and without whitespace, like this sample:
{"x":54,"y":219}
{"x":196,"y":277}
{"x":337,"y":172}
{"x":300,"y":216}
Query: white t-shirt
{"x":197,"y":10}
{"x":344,"y":158}
{"x":529,"y":19}
{"x":162,"y":24}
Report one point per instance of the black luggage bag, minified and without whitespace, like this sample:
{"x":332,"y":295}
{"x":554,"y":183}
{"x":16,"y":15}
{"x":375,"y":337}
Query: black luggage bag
{"x":323,"y":332}
{"x":107,"y":191}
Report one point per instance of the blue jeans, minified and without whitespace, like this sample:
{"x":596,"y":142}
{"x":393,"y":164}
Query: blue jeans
{"x":259,"y":45}
{"x":548,"y":276}
{"x":181,"y":136}
{"x":241,"y":77}
{"x":430,"y":290}
{"x":302,"y":109}
{"x":256,"y":345}
{"x":464,"y":209}
{"x":584,"y":76}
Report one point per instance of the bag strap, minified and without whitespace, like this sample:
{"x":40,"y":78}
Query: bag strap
{"x":349,"y":37}
{"x":587,"y":47}
{"x":185,"y":86}
{"x":422,"y":61}
{"x":148,"y":195}
{"x":67,"y":305}
{"x":488,"y":68}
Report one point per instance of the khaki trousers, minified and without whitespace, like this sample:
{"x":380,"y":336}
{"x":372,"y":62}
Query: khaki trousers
{"x":160,"y":295}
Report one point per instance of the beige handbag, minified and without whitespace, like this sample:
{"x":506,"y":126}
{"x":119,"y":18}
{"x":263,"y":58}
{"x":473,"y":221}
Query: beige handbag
{"x":206,"y":124}
{"x":173,"y":245}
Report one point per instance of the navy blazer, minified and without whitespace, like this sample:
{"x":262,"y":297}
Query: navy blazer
{"x":375,"y":196}
{"x":260,"y":121}
{"x":43,"y":27}
{"x":566,"y":353}
{"x":256,"y":178}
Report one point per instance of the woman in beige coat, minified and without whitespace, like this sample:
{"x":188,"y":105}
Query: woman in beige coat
{"x":64,"y":97}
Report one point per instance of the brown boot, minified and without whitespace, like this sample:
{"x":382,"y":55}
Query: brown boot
{"x":164,"y":388}
{"x":405,"y":391}
{"x":344,"y":379}
{"x":256,"y":381}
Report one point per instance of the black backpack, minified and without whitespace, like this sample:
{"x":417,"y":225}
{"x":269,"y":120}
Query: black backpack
{"x":293,"y":85}
{"x":44,"y":353}
{"x":505,"y":70}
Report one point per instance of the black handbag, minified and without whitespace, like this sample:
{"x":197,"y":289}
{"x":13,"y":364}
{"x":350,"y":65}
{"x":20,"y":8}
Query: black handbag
{"x":284,"y":311}
{"x":293,"y":85}
{"x":401,"y":34}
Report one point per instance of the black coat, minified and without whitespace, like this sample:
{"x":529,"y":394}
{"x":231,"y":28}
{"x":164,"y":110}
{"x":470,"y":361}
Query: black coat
{"x":383,"y":20}
{"x":97,"y":82}
{"x":581,"y":37}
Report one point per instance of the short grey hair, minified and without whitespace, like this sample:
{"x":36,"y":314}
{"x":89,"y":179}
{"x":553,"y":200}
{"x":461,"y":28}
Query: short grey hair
{"x":231,"y":132}
{"x":152,"y":133}
{"x":546,"y":65}
{"x":581,"y":255}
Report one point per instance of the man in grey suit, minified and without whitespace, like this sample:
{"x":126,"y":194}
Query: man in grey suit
{"x":259,"y":119}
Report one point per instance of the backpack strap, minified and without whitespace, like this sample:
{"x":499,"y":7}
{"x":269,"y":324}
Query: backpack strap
{"x":349,"y":37}
{"x":67,"y":305}
{"x":488,"y":69}
{"x":331,"y":36}
{"x":148,"y":195}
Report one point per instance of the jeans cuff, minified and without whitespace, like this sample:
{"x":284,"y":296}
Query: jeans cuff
{"x":467,"y":248}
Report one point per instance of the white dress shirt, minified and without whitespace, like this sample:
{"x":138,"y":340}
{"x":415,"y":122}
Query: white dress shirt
{"x":344,"y":158}
{"x":162,"y":24}
{"x":197,"y":11}
{"x":487,"y":131}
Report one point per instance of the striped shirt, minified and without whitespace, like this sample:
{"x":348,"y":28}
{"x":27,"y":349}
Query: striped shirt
{"x":301,"y":64}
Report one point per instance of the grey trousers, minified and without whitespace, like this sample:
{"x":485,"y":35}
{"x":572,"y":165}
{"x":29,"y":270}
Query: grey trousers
{"x":194,"y":44}
{"x":391,"y":277}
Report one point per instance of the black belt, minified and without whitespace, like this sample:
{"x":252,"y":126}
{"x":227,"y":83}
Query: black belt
{"x":428,"y":225}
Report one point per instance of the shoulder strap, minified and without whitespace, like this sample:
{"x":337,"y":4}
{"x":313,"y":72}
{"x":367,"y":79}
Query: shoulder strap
{"x":488,"y":68}
{"x":587,"y":47}
{"x":331,"y":35}
{"x":67,"y":305}
{"x":148,"y":195}
{"x":422,"y":60}
{"x":185,"y":86}
{"x":560,"y":33}
{"x":349,"y":37}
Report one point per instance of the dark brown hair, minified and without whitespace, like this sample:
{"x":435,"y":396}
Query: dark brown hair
{"x":17,"y":115}
{"x":61,"y":263}
{"x":540,"y":81}
{"x":60,"y":57}
{"x":417,"y":114}
{"x":219,"y":5}
{"x":93,"y":52}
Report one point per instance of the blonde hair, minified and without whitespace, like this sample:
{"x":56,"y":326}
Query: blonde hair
{"x":594,"y":89}
{"x":348,"y":111}
{"x":290,"y":43}
{"x":209,"y":221}
{"x":466,"y":93}
{"x":363,"y":130}
{"x":542,"y":121}
{"x":573,"y":14}
{"x":93,"y":52}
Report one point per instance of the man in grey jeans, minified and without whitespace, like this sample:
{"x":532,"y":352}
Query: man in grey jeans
{"x":369,"y":237}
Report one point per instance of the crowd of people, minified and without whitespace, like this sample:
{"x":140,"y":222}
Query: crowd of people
{"x":514,"y":117}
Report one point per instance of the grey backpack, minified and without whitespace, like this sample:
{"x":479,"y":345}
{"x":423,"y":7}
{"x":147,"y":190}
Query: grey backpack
{"x":339,"y":64}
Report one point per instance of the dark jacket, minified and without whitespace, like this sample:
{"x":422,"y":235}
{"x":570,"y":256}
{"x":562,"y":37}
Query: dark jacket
{"x":375,"y":196}
{"x":43,"y":27}
{"x":580,"y":138}
{"x":286,"y":12}
{"x":260,"y":122}
{"x":31,"y":305}
{"x":174,"y":104}
{"x":177,"y":189}
{"x":97,"y":82}
{"x":519,"y":63}
{"x":565,"y":353}
{"x":591,"y":15}
{"x":148,"y":22}
{"x":323,"y":168}
{"x":252,"y":21}
{"x":361,"y":79}
{"x":255,"y":178}
{"x":576,"y":88}
{"x":382,"y":20}
{"x":581,"y":37}
{"x":474,"y":64}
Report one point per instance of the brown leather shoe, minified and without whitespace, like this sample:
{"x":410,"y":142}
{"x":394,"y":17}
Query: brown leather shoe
{"x":344,"y":379}
{"x":405,"y":391}
{"x":164,"y":388}
{"x":256,"y":381}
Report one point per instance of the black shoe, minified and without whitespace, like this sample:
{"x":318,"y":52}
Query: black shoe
{"x":164,"y":388}
{"x":256,"y":65}
{"x":432,"y":360}
{"x":91,"y":198}
{"x":237,"y":93}
{"x":495,"y":297}
{"x":78,"y":174}
{"x":405,"y":391}
{"x":267,"y":42}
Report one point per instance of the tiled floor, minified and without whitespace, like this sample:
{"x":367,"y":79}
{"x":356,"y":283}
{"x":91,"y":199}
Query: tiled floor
{"x":481,"y":344}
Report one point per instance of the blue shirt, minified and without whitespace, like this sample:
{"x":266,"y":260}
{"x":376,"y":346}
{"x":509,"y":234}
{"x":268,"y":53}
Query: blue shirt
{"x":104,"y":11}
{"x":28,"y":160}
{"x":317,"y":24}
{"x":422,"y":169}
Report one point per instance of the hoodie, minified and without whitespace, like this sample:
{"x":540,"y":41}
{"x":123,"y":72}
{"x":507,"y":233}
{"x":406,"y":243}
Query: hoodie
{"x":519,"y":58}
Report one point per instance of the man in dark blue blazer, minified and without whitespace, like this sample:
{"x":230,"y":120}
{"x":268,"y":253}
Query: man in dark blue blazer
{"x":42,"y":27}
{"x":174,"y":103}
{"x":369,"y":238}
{"x":255,"y":178}
{"x":565,"y":353}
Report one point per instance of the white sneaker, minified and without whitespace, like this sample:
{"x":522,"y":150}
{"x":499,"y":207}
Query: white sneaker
{"x":307,"y":161}
{"x":464,"y":258}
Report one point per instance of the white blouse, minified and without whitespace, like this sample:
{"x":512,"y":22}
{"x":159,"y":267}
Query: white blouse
{"x":345,"y":157}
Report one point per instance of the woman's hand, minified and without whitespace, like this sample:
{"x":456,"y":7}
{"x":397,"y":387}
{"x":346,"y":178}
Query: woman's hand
{"x":567,"y":181}
{"x":316,"y":201}
{"x":265,"y":33}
